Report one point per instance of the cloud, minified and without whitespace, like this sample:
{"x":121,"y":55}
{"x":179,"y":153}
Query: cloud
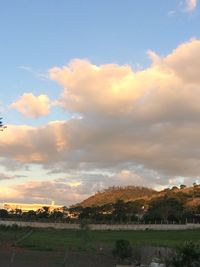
{"x":67,"y":191}
{"x":37,"y":73}
{"x":10,"y":164}
{"x":109,"y":91}
{"x":171,"y":13}
{"x":4,"y":176}
{"x":91,"y":88}
{"x":190,"y":5}
{"x":28,"y":144}
{"x":8,"y":193}
{"x":38,"y":192}
{"x":183,"y":62}
{"x":186,"y":6}
{"x":130,"y":126}
{"x":32,"y":106}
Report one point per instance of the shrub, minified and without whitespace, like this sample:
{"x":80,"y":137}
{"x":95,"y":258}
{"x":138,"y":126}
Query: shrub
{"x":122,"y":249}
{"x":186,"y":256}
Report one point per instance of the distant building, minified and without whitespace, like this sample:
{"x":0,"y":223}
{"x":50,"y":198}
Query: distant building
{"x":27,"y":207}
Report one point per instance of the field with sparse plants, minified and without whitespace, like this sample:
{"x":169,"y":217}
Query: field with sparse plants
{"x":50,"y":247}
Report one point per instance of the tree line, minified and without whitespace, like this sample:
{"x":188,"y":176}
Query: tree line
{"x":175,"y":206}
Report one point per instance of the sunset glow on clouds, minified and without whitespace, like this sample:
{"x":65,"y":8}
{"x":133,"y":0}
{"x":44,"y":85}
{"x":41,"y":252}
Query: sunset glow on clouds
{"x":105,"y":124}
{"x":32,"y":106}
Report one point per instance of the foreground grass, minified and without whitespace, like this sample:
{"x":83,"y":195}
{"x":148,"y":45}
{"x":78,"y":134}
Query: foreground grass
{"x":51,"y":239}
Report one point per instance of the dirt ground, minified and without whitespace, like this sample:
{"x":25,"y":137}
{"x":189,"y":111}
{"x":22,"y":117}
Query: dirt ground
{"x":18,"y":257}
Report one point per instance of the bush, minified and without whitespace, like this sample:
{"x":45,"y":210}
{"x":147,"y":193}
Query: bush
{"x":186,"y":256}
{"x":122,"y":250}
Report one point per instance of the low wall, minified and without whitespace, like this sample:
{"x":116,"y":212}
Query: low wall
{"x":143,"y":227}
{"x":131,"y":227}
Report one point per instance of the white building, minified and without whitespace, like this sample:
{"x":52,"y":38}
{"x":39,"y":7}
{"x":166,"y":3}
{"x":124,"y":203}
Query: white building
{"x":27,"y":207}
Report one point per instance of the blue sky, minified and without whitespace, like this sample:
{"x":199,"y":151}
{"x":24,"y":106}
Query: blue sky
{"x":37,"y":36}
{"x":42,"y":34}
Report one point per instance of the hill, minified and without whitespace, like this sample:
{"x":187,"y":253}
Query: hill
{"x":112,"y":194}
{"x":190,"y":196}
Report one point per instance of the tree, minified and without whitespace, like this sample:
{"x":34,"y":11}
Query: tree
{"x":135,"y":209}
{"x":43,"y":213}
{"x":122,"y":250}
{"x":4,"y":213}
{"x":120,"y":211}
{"x":165,"y":209}
{"x":174,"y":188}
{"x":56,"y":215}
{"x":86,"y":213}
{"x":182,"y":186}
{"x":2,"y":126}
{"x":196,"y":190}
{"x":29,"y":215}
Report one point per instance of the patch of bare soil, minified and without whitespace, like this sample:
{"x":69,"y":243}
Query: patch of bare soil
{"x":17,"y":257}
{"x":6,"y":247}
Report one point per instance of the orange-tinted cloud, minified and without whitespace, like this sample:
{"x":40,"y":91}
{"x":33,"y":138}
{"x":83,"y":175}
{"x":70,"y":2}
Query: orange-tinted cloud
{"x":32,"y":106}
{"x":149,"y":118}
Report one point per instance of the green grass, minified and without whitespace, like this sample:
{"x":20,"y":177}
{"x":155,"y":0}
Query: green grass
{"x":51,"y":239}
{"x":11,"y":234}
{"x":156,"y":238}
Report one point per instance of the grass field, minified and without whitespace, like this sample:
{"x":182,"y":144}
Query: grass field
{"x":22,"y":247}
{"x":51,"y":239}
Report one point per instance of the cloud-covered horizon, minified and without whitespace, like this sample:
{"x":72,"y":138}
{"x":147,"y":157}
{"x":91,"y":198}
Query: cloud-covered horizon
{"x":125,"y":123}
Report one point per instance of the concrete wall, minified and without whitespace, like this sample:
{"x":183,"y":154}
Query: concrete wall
{"x":103,"y":226}
{"x":145,"y":227}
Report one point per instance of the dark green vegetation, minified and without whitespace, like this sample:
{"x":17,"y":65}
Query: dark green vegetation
{"x":51,"y":239}
{"x":122,"y":250}
{"x":187,"y":255}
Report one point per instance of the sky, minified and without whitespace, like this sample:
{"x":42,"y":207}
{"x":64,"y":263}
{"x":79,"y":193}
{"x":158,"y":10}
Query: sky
{"x":96,"y":94}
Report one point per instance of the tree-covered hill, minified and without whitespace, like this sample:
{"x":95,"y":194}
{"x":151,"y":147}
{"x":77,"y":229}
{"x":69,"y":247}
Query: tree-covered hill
{"x":190,"y":196}
{"x":141,"y":205}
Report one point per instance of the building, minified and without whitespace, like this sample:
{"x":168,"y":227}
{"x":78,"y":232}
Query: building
{"x":24,"y":207}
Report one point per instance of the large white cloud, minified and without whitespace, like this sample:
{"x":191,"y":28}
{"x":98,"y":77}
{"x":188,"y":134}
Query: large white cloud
{"x":167,"y":90}
{"x":32,"y":106}
{"x":148,"y":118}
